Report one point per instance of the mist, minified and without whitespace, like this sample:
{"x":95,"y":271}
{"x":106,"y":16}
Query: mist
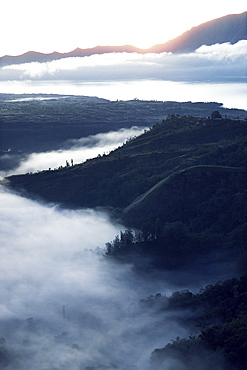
{"x":63,"y":304}
{"x":74,"y":150}
{"x":215,"y":63}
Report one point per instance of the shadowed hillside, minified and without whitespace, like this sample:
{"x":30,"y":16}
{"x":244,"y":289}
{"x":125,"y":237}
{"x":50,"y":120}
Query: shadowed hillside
{"x":182,"y":184}
{"x":42,"y":122}
{"x":222,"y":319}
{"x":180,"y":188}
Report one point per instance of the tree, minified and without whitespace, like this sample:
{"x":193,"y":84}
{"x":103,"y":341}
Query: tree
{"x":216,"y":114}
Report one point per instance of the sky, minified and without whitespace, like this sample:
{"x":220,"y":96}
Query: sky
{"x":52,"y":25}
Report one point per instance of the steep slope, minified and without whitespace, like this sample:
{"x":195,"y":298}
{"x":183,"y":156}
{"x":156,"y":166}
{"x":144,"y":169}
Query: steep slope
{"x":39,"y":123}
{"x":182,"y":183}
{"x":222,"y":319}
{"x":230,"y":28}
{"x":117,"y":179}
{"x":183,"y":196}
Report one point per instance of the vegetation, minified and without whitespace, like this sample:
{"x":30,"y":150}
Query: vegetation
{"x":223,"y":323}
{"x":180,"y":189}
{"x":182,"y":184}
{"x":36,"y":123}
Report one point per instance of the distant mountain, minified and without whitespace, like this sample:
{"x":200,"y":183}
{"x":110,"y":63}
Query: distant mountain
{"x":33,"y":56}
{"x":231,"y":28}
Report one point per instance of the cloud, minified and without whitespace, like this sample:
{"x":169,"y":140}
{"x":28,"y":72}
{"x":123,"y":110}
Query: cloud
{"x":62,"y":304}
{"x":219,"y":62}
{"x":65,"y":306}
{"x":79,"y":150}
{"x":226,"y":51}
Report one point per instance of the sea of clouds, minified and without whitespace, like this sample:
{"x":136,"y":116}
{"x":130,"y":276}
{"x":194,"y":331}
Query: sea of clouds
{"x":64,"y":305}
{"x":215,"y":63}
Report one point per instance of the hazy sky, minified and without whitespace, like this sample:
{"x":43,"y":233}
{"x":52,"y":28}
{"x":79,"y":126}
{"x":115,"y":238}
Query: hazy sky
{"x":50,"y":25}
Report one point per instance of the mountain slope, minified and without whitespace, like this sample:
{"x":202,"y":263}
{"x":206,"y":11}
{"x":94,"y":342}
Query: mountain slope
{"x":117,"y":179}
{"x":39,"y":123}
{"x":33,"y":56}
{"x":182,"y":183}
{"x":231,"y":28}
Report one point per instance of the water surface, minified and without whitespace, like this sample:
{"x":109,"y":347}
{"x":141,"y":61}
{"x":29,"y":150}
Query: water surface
{"x":231,"y":95}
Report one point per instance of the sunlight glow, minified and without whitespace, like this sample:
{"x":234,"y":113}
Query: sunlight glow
{"x":49,"y":26}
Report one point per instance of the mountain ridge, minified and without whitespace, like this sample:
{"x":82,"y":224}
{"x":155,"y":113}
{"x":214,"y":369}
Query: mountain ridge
{"x":230,"y":28}
{"x":166,"y":149}
{"x":182,"y":184}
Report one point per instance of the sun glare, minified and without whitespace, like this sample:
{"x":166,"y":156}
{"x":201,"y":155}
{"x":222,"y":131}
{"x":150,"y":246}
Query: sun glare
{"x":54,"y":26}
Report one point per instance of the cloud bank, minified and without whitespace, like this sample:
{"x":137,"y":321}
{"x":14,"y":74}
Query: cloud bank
{"x":63,"y":306}
{"x":219,"y":62}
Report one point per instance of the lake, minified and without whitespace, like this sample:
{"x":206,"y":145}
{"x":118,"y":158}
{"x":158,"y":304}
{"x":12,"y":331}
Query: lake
{"x":231,"y":95}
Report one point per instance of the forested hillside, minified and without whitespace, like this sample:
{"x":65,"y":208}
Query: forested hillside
{"x":40,"y":122}
{"x":180,"y":191}
{"x":220,"y":312}
{"x":182,"y":184}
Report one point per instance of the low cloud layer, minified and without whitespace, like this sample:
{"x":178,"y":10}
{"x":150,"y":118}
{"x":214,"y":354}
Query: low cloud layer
{"x":63,"y":306}
{"x":219,"y":62}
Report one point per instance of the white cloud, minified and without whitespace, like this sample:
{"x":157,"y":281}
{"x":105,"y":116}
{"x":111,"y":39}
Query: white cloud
{"x":63,"y":306}
{"x":79,"y":150}
{"x":226,"y":51}
{"x":214,"y":62}
{"x":66,"y":307}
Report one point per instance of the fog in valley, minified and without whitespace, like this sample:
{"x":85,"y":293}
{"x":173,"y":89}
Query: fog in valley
{"x":64,"y":305}
{"x":74,"y":151}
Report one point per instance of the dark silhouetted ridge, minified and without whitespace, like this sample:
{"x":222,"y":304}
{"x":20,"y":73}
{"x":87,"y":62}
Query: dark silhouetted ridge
{"x":182,"y":184}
